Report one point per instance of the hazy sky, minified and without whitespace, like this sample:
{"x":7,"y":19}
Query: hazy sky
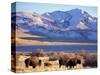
{"x":42,"y":7}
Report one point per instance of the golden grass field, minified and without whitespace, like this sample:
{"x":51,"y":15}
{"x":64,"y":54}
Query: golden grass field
{"x":20,"y":65}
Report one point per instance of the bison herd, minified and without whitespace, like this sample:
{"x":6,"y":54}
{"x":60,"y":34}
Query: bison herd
{"x":68,"y":63}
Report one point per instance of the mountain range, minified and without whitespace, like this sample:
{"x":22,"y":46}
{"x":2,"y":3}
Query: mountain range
{"x":72,"y":25}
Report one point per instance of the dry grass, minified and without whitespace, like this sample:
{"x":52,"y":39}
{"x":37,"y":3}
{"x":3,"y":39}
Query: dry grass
{"x":20,"y":65}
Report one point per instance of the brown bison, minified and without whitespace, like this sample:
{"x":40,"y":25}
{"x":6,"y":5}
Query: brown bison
{"x":90,"y":61}
{"x":32,"y":62}
{"x":69,"y":62}
{"x":72,"y":62}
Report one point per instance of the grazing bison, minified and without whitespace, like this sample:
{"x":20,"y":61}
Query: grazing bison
{"x":89,"y":62}
{"x":32,"y":62}
{"x":69,"y":62}
{"x":72,"y":62}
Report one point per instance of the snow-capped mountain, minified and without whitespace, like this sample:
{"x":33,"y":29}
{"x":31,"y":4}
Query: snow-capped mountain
{"x":69,"y":25}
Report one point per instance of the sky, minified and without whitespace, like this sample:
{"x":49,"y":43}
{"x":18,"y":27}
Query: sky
{"x":44,"y":7}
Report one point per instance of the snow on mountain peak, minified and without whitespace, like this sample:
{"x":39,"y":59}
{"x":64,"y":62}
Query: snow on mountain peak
{"x":82,"y":26}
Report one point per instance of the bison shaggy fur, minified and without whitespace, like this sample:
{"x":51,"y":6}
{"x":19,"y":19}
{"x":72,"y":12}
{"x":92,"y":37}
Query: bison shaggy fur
{"x":71,"y":62}
{"x":30,"y":62}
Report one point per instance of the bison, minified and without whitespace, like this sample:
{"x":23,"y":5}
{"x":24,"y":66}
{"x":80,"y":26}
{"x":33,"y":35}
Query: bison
{"x":90,"y":62}
{"x":71,"y":62}
{"x":32,"y":62}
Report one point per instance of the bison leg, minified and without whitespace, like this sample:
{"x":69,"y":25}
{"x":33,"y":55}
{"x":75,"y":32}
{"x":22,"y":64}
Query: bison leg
{"x":26,"y":65}
{"x":40,"y":62}
{"x":59,"y":65}
{"x":61,"y":62}
{"x":33,"y":66}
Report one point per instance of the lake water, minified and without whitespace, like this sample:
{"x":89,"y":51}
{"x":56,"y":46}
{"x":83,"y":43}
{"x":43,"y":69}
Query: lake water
{"x":71,"y":48}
